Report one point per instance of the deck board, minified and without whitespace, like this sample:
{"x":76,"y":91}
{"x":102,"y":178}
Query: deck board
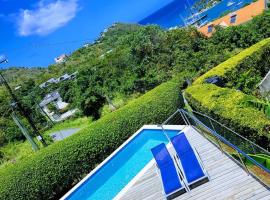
{"x":227,"y":179}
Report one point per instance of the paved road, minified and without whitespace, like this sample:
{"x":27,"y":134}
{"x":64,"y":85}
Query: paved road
{"x":60,"y":135}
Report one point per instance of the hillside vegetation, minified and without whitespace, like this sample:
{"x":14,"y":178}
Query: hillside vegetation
{"x":122,"y":64}
{"x":241,"y":75}
{"x":126,"y":62}
{"x":52,"y":171}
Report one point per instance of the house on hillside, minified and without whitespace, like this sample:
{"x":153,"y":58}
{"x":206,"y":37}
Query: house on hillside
{"x":48,"y":82}
{"x":240,"y":16}
{"x":87,"y":44}
{"x":60,"y":59}
{"x":63,"y":78}
{"x":58,"y":80}
{"x":52,"y":105}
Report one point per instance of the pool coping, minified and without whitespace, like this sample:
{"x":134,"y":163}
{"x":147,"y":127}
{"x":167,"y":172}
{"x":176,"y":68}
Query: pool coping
{"x":150,"y":164}
{"x":169,"y":127}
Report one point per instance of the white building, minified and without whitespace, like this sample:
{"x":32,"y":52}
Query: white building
{"x":63,"y":78}
{"x":58,"y":80}
{"x":60,"y":59}
{"x":55,"y":100}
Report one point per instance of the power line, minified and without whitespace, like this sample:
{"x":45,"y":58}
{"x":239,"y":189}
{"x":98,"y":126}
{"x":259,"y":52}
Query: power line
{"x":21,"y":108}
{"x":42,"y":45}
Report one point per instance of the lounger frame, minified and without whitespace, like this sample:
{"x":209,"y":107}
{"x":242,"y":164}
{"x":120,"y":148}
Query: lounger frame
{"x":177,"y":192}
{"x":197,"y":182}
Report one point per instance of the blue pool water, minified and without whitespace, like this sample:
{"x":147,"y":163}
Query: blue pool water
{"x":115,"y":174}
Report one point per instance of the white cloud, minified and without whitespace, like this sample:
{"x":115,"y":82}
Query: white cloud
{"x":48,"y":16}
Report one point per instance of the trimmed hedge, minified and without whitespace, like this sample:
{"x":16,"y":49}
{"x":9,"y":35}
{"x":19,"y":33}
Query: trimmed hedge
{"x":227,"y":106}
{"x":52,"y":171}
{"x":248,"y":58}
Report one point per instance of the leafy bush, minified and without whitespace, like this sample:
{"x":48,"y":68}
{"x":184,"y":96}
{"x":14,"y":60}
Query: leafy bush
{"x":226,"y":106}
{"x":249,"y":58}
{"x":249,"y":72}
{"x":10,"y":131}
{"x":142,"y":57}
{"x":230,"y":106}
{"x":260,"y":105}
{"x":52,"y":171}
{"x":1,"y":156}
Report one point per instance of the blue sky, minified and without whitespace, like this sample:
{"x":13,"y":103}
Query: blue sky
{"x":33,"y":33}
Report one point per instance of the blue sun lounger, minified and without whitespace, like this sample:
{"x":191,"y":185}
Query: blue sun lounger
{"x":171,"y":181}
{"x":189,"y":161}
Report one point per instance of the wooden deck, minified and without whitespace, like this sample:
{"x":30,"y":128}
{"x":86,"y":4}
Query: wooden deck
{"x":227,"y":179}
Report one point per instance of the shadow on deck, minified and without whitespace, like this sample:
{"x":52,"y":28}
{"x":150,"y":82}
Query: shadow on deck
{"x":227,"y":179}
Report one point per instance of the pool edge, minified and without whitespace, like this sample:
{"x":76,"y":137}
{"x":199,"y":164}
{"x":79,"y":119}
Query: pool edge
{"x":169,"y":127}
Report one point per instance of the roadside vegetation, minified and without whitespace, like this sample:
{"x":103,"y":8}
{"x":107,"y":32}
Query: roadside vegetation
{"x":70,"y":123}
{"x":14,"y":152}
{"x":131,"y":76}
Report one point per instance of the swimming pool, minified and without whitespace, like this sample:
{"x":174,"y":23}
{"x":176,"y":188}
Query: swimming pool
{"x":113,"y":175}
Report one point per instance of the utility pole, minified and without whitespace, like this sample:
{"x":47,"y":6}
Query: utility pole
{"x":20,"y":106}
{"x":45,"y":114}
{"x":25,"y":131}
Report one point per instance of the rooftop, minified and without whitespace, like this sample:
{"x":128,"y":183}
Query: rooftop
{"x":228,"y":180}
{"x":49,"y":98}
{"x":240,"y":16}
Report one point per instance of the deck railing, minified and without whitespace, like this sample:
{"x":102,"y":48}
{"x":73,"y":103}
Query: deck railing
{"x":245,"y":152}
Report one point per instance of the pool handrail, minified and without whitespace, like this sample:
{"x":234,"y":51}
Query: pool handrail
{"x":215,"y":134}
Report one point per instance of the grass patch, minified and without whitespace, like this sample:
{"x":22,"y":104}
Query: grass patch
{"x":118,"y":102}
{"x":18,"y":150}
{"x":14,"y":152}
{"x":70,"y":123}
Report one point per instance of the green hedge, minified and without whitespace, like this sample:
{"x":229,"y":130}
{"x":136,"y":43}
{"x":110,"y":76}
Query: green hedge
{"x":242,"y":71}
{"x":226,"y":105}
{"x":248,"y":73}
{"x":248,"y":59}
{"x":51,"y":172}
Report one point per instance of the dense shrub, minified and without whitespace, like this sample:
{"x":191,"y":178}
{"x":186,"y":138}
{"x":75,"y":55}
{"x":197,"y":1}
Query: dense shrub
{"x":228,"y":107}
{"x":1,"y":156}
{"x":249,"y":72}
{"x":51,"y":172}
{"x":253,"y":57}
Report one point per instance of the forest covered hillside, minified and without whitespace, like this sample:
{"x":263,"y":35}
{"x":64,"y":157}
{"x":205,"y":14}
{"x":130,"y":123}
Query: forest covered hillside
{"x":130,"y":76}
{"x":18,"y":75}
{"x":125,"y":62}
